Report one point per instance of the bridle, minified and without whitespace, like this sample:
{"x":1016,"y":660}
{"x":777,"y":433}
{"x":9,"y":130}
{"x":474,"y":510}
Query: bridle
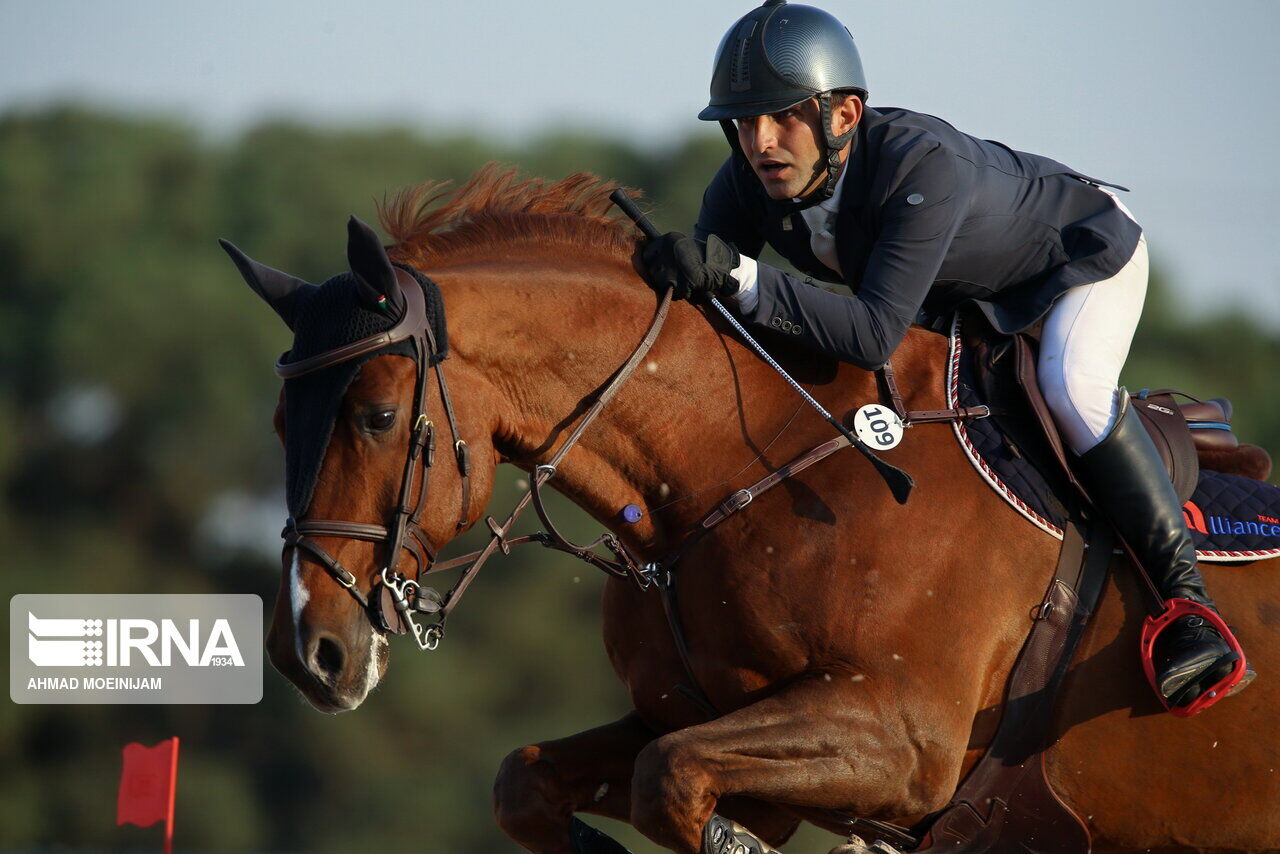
{"x":400,"y":599}
{"x":398,"y":595}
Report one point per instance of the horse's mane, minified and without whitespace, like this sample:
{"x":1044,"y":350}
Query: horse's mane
{"x":497,"y":207}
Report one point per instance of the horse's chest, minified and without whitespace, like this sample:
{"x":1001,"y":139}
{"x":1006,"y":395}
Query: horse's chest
{"x":736,"y":648}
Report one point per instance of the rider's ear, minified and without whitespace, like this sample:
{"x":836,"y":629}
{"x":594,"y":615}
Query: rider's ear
{"x":280,"y":290}
{"x":369,"y":261}
{"x":846,"y":115}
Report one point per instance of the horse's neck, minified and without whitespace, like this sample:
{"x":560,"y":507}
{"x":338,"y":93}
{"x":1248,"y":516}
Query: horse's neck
{"x":697,"y":412}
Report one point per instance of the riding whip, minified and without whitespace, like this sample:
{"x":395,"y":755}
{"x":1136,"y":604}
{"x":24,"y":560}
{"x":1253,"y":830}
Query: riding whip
{"x":898,"y":481}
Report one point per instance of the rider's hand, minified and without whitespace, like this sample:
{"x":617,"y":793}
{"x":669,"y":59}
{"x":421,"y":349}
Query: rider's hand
{"x":695,"y":268}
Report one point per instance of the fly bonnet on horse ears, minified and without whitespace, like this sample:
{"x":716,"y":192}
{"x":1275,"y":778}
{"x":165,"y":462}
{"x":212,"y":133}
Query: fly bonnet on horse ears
{"x":345,"y":309}
{"x":368,"y":260}
{"x":281,"y":291}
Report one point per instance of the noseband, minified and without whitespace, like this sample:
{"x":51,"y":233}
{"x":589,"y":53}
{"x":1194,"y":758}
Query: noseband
{"x":399,"y":597}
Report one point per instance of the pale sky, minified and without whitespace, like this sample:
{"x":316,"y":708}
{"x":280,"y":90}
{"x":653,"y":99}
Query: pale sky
{"x":1174,"y":99}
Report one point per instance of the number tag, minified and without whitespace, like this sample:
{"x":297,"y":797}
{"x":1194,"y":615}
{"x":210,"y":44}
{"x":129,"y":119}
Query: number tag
{"x":879,"y":427}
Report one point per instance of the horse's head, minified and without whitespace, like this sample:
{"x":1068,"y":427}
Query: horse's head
{"x":359,"y":446}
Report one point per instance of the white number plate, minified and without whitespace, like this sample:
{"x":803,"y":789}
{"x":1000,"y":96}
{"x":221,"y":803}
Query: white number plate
{"x":877,"y":426}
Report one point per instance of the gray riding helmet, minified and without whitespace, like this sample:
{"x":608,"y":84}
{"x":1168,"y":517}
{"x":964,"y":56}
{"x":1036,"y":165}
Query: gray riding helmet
{"x":777,"y":56}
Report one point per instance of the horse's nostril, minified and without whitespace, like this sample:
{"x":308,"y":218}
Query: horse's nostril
{"x":327,"y":658}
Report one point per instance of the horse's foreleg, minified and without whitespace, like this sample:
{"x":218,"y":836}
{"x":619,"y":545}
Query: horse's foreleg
{"x":830,"y":742}
{"x":541,"y":786}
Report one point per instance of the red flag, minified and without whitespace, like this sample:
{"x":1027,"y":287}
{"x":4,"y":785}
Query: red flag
{"x":147,"y":786}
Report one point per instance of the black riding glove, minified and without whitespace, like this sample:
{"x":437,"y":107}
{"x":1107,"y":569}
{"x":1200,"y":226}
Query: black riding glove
{"x":695,"y":268}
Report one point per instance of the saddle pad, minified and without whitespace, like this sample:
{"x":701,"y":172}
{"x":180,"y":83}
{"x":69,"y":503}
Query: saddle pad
{"x":1232,"y":519}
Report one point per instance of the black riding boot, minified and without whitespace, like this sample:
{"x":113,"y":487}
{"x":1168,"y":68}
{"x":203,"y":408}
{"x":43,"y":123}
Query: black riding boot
{"x":1128,"y":481}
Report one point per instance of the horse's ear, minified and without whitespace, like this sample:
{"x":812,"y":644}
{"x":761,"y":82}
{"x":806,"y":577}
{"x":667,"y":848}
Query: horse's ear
{"x":280,"y":290}
{"x":369,"y":261}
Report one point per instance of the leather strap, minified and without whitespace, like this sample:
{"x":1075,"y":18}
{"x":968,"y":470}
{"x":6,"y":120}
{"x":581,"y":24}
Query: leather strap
{"x":460,"y":450}
{"x":413,"y":320}
{"x":1005,"y":798}
{"x":544,"y":473}
{"x":960,"y":413}
{"x":743,"y":497}
{"x":327,"y":562}
{"x":924,"y":416}
{"x":891,"y":386}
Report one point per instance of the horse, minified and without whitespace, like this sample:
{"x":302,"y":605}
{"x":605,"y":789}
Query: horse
{"x":856,"y":650}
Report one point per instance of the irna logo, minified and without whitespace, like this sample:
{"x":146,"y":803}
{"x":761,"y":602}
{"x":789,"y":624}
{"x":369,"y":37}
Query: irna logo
{"x":125,"y":642}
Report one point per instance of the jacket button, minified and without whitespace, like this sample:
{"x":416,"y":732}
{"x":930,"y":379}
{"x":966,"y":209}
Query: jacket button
{"x":777,"y":321}
{"x":915,"y":199}
{"x":795,"y":330}
{"x":786,"y":326}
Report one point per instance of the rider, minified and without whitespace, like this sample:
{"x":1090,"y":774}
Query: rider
{"x":917,"y":218}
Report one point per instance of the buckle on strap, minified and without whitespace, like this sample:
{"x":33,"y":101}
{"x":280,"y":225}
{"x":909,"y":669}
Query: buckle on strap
{"x":737,"y":501}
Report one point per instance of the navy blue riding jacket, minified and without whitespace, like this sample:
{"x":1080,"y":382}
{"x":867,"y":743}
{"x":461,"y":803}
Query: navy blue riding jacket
{"x":929,"y":218}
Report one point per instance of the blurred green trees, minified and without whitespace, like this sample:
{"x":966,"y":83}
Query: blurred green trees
{"x":136,"y":455}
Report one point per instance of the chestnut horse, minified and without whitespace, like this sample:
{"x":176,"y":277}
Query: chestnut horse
{"x":858,"y":649}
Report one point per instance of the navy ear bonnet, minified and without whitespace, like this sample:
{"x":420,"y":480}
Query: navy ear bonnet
{"x":328,"y":316}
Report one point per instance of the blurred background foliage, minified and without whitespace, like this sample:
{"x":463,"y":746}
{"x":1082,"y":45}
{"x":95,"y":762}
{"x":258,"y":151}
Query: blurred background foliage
{"x":136,"y":455}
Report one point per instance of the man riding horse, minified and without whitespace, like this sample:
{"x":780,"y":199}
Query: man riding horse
{"x":918,"y":218}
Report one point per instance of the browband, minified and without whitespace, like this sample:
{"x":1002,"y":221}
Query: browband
{"x":414,"y":320}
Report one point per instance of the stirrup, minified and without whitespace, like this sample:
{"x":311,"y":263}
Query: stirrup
{"x":722,"y":836}
{"x":1152,"y":627}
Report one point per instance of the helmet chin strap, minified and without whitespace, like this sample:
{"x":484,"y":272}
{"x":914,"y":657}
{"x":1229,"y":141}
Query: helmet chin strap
{"x":834,"y":145}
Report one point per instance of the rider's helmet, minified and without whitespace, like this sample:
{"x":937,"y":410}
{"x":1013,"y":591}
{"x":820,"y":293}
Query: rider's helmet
{"x":777,"y":56}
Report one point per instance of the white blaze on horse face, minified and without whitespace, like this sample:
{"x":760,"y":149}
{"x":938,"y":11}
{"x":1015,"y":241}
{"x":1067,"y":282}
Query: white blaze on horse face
{"x":298,"y":598}
{"x":376,"y":641}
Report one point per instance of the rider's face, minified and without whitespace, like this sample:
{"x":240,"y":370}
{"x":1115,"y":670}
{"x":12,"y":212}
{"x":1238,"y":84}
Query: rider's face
{"x":786,"y":148}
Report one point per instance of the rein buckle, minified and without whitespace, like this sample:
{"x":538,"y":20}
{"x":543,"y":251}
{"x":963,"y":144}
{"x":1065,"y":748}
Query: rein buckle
{"x":737,"y":501}
{"x":652,"y":573}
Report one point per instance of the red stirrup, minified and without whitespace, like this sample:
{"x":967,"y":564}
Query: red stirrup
{"x":1151,"y":629}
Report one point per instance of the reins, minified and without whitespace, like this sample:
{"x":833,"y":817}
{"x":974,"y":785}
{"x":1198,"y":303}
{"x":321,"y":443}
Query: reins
{"x":624,"y":564}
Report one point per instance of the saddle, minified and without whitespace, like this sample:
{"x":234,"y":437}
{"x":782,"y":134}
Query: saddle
{"x":1006,"y":803}
{"x":1191,"y":435}
{"x":1215,"y":475}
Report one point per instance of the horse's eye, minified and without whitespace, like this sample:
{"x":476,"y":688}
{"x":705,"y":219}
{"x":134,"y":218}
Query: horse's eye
{"x":379,"y":421}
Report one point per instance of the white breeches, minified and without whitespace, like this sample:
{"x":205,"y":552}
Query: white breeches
{"x":1085,"y":342}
